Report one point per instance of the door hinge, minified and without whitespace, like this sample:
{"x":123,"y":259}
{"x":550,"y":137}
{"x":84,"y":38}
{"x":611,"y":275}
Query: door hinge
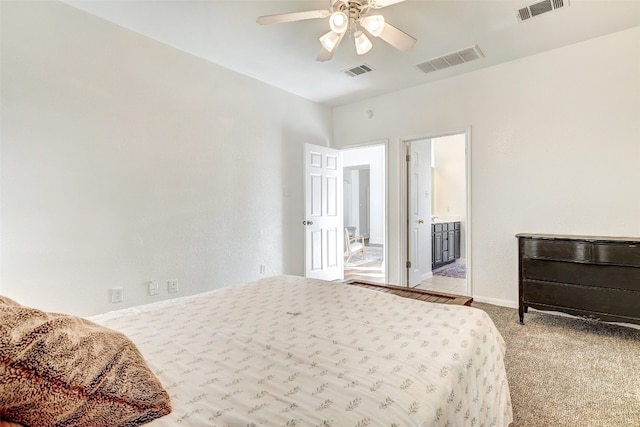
{"x":408,"y":158}
{"x":408,"y":264}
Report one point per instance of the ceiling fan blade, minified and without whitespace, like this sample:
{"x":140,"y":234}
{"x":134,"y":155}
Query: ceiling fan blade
{"x":326,"y":55}
{"x":378,"y":4}
{"x":397,"y":38}
{"x":293,"y":16}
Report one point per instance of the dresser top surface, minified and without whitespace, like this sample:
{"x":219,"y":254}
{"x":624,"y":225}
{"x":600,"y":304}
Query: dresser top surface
{"x":580,"y":238}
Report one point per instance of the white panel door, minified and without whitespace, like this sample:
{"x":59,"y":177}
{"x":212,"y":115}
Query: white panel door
{"x":419,"y":211}
{"x":323,"y":213}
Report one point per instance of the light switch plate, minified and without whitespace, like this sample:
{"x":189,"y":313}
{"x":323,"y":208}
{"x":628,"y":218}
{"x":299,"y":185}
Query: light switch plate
{"x":172,"y":286}
{"x":117,"y":295}
{"x":153,"y":287}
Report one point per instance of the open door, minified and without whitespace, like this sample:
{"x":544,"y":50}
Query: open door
{"x":418,"y":211}
{"x":323,"y":213}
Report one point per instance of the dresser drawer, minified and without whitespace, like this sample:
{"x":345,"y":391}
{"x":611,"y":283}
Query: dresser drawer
{"x":596,"y":300}
{"x":557,"y":250}
{"x":617,"y":254}
{"x":605,"y":276}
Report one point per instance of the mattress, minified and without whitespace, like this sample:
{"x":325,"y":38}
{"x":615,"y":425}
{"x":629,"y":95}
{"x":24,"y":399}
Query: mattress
{"x":291,"y":351}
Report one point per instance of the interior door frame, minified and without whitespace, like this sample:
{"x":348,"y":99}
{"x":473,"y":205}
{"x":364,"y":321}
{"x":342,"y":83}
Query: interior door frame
{"x":385,"y":143}
{"x":404,"y":200}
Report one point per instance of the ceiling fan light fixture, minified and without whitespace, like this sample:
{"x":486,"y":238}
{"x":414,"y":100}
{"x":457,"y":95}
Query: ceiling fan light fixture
{"x":363,"y":44}
{"x":374,"y":24}
{"x":339,"y":22}
{"x":330,"y":40}
{"x":351,"y":17}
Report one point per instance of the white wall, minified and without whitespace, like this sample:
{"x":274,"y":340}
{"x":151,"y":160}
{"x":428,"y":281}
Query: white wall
{"x":124,"y":161}
{"x":351,"y":197}
{"x":555,"y":148}
{"x":353,"y":182}
{"x":374,"y":157}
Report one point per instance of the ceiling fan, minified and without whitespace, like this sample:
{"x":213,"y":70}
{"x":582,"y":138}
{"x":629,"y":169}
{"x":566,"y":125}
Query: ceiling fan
{"x":350,"y":16}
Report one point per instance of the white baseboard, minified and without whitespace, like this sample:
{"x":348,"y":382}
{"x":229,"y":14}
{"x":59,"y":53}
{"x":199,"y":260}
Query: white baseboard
{"x":496,"y":301}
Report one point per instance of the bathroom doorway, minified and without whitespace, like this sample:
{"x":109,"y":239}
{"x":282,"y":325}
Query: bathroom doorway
{"x":443,"y":260}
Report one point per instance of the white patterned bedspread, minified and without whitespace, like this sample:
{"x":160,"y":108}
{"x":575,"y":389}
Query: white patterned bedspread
{"x":290,"y":351}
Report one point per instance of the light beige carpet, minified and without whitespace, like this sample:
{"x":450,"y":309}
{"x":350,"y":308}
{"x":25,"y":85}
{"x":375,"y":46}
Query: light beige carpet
{"x":570,"y":372}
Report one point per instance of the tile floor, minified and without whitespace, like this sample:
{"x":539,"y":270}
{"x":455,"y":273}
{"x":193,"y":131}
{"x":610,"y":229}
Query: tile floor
{"x":448,"y":285}
{"x":372,"y":272}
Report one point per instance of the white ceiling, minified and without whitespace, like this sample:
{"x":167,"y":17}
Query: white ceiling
{"x":283,"y":55}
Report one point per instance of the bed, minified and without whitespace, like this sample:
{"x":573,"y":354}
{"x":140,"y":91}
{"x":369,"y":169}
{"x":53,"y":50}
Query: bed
{"x":281,"y":351}
{"x":291,"y":351}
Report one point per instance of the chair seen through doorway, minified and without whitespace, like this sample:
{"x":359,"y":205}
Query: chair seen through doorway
{"x":355,"y":245}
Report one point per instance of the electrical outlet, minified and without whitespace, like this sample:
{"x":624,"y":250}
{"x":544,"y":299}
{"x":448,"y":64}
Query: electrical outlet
{"x":263,"y":268}
{"x":173,"y":286}
{"x":117,"y":295}
{"x":153,"y":287}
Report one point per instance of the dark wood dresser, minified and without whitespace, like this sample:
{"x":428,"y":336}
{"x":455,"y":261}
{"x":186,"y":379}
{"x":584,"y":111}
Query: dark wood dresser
{"x":587,"y":276}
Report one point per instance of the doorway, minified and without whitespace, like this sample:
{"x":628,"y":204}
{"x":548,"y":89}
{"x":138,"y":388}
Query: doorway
{"x":437,"y":207}
{"x":364,"y":213}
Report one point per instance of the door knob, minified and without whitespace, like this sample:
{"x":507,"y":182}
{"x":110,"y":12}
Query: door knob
{"x":307,"y":222}
{"x":421,"y":221}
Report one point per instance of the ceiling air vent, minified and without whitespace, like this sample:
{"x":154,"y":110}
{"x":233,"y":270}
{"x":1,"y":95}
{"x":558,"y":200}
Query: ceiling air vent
{"x":540,"y":8}
{"x":359,"y":70}
{"x":451,"y":59}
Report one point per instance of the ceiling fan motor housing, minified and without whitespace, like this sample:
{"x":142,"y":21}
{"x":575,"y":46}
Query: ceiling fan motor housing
{"x":354,"y":9}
